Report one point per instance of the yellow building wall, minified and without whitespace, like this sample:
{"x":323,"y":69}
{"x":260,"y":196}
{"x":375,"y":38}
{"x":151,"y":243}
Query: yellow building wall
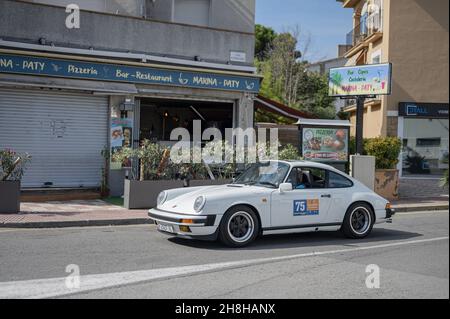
{"x":373,"y":120}
{"x":419,"y":51}
{"x":415,"y":41}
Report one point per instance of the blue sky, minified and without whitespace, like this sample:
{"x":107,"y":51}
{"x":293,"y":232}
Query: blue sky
{"x":325,"y":21}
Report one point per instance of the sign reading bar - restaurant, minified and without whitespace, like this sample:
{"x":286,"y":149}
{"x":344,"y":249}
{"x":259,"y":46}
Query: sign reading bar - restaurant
{"x":361,"y":80}
{"x":19,"y":64}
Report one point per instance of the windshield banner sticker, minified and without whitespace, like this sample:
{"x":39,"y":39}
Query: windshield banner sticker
{"x":308,"y":207}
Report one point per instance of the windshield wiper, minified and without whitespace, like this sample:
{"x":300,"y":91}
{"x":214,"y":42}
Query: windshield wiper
{"x":268,"y":184}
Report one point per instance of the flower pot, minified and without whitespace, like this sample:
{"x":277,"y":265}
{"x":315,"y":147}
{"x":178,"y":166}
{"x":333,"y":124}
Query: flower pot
{"x":143,"y":194}
{"x":387,"y":183}
{"x":9,"y":197}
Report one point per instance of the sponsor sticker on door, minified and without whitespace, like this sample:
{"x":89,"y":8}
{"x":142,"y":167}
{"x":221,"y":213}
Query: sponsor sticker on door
{"x":309,"y":207}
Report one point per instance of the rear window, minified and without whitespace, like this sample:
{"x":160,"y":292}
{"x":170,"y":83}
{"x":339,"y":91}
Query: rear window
{"x":338,"y":181}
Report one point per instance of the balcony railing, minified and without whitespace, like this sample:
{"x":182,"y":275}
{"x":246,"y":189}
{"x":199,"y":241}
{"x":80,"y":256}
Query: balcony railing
{"x":369,"y":25}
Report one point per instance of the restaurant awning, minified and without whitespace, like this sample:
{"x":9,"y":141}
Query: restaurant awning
{"x":314,"y":122}
{"x":70,"y":84}
{"x":280,"y":109}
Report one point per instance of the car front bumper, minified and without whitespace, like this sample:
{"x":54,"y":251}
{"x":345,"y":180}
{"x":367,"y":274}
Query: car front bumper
{"x":203,"y":227}
{"x":390,"y":213}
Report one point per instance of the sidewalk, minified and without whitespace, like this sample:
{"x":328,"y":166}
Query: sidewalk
{"x":100,"y":213}
{"x":421,"y":204}
{"x":72,"y":214}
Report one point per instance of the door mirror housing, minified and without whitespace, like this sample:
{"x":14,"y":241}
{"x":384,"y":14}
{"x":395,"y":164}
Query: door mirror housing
{"x":286,"y":187}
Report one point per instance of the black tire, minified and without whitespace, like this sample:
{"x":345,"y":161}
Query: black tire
{"x":239,"y":227}
{"x":358,"y":221}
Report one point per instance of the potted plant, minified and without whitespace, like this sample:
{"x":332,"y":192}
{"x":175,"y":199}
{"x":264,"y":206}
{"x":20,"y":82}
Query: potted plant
{"x":417,"y":164}
{"x":386,"y":151}
{"x":12,"y":168}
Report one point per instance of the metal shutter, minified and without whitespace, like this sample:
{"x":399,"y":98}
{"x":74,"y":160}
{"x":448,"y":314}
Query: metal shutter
{"x":63,"y":132}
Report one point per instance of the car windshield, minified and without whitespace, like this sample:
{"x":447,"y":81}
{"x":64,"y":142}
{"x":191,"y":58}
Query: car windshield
{"x":270,"y":174}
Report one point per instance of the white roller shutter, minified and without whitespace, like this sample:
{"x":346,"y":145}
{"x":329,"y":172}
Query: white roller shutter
{"x":63,"y":132}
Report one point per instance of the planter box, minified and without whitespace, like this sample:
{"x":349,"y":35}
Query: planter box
{"x":143,"y":195}
{"x":9,"y":197}
{"x":387,"y":183}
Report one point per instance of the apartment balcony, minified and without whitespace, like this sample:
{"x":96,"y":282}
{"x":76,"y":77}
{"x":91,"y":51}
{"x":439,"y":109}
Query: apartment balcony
{"x":349,"y":3}
{"x":368,"y":31}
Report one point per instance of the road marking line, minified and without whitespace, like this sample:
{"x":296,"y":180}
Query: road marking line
{"x":56,"y":287}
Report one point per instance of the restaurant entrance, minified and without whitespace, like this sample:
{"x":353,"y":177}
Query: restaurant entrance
{"x":159,"y":117}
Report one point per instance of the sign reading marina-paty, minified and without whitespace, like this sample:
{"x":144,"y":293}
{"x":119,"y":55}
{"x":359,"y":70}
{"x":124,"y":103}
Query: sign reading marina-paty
{"x":361,"y":80}
{"x":19,"y":64}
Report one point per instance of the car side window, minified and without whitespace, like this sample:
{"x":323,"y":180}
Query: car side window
{"x":307,"y":178}
{"x":338,"y":181}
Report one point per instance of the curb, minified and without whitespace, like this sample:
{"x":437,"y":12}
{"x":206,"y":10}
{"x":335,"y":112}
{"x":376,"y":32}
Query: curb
{"x":147,"y":221}
{"x":409,"y":209}
{"x":81,"y":223}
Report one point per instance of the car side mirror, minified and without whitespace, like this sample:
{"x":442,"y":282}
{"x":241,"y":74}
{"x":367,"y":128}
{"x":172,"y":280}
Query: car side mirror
{"x":286,"y":187}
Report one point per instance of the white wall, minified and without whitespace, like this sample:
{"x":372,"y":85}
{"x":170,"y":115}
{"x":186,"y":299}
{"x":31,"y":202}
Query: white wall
{"x":124,"y":7}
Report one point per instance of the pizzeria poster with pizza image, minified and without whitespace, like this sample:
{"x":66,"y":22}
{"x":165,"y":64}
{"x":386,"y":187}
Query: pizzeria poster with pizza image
{"x":325,"y":144}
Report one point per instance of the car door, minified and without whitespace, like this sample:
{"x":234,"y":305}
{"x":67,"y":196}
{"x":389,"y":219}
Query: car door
{"x":340,"y":188}
{"x":307,"y":204}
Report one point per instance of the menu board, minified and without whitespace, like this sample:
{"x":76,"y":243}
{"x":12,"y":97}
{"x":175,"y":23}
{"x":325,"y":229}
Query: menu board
{"x":325,"y":144}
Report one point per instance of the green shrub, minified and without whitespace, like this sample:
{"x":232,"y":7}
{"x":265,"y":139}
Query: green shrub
{"x":12,"y":165}
{"x":289,"y":153}
{"x":386,"y":151}
{"x":444,"y":180}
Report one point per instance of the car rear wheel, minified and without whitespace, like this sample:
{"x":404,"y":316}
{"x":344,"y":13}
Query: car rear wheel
{"x":358,"y":221}
{"x":239,"y":227}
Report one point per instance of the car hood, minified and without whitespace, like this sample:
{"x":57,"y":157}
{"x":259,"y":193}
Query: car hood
{"x":217,"y":197}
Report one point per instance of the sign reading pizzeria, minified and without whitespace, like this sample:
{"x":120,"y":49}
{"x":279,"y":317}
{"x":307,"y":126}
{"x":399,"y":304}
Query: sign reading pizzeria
{"x":361,"y":80}
{"x":142,"y":74}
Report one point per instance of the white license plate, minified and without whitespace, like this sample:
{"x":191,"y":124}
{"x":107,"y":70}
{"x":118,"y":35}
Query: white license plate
{"x":165,"y":228}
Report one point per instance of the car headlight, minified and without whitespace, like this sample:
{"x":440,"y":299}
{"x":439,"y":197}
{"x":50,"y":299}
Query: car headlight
{"x":162,"y":197}
{"x":199,"y":203}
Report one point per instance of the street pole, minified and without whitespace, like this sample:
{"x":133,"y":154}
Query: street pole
{"x":360,"y":100}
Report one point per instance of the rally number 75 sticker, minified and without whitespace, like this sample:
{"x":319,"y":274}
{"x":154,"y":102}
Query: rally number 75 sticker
{"x":308,"y":207}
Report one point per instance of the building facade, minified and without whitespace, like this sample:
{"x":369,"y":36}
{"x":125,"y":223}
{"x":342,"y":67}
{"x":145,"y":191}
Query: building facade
{"x":131,"y":70}
{"x":413,"y":36}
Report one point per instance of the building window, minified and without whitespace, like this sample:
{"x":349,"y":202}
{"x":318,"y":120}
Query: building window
{"x":195,"y":12}
{"x":376,"y":57}
{"x":428,"y":142}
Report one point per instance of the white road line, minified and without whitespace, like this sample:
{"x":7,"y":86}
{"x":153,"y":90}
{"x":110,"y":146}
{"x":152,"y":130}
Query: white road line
{"x":56,"y":287}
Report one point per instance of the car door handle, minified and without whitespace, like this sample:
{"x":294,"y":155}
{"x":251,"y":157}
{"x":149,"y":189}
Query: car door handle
{"x":326,"y":196}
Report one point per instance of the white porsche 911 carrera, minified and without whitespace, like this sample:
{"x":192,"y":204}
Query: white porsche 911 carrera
{"x":272,"y":198}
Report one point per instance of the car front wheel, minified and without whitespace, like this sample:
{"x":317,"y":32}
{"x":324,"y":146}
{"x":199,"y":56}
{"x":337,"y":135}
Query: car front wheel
{"x":358,"y":221}
{"x":239,"y":227}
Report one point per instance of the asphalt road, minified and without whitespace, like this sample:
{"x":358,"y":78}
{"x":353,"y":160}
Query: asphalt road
{"x":412,"y":256}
